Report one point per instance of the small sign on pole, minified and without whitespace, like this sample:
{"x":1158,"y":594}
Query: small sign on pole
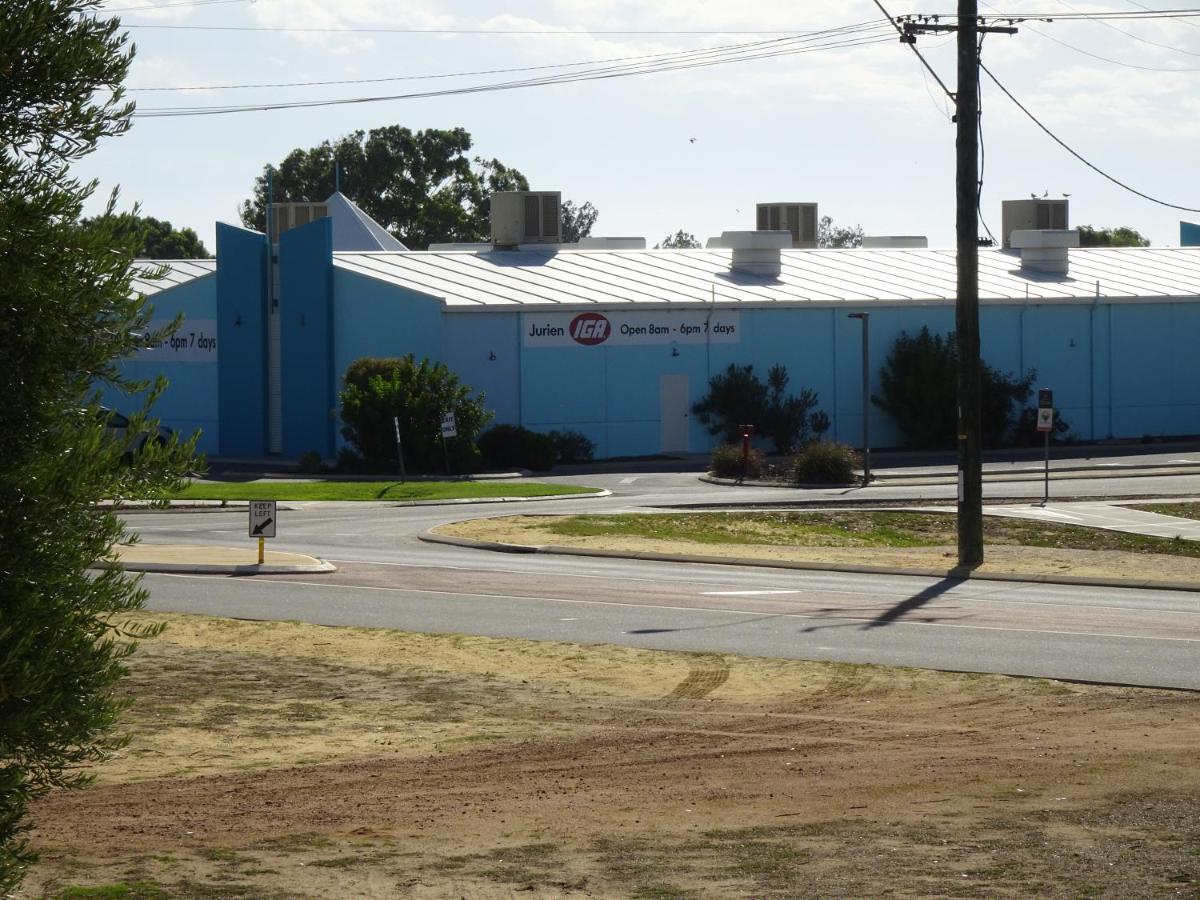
{"x":262,"y":524}
{"x":1045,"y":424}
{"x":449,"y":427}
{"x":399,"y":448}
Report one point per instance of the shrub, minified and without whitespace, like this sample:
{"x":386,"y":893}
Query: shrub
{"x":378,"y":390}
{"x":823,"y":462}
{"x":727,"y":462}
{"x":511,"y":446}
{"x":310,"y":463}
{"x":737,"y":397}
{"x":572,"y":447}
{"x":919,"y":390}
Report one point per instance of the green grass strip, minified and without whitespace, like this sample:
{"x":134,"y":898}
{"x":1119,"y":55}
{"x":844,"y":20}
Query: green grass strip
{"x":371,"y":490}
{"x":1182,"y":510}
{"x":860,"y":528}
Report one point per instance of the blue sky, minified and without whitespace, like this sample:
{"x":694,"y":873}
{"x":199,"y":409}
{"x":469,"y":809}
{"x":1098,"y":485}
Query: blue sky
{"x":860,"y":130}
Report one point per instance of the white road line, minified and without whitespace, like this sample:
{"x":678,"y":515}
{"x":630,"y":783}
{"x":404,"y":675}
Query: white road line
{"x":628,"y":480}
{"x":705,"y":609}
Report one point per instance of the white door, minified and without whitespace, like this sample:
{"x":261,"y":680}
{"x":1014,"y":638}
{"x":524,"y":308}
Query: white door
{"x":673,"y":412}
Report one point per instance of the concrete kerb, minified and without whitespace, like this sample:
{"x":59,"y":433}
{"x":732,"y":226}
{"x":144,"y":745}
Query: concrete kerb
{"x":319,"y":566}
{"x":431,"y":537}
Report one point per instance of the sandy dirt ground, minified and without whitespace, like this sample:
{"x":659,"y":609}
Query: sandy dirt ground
{"x":277,"y":760}
{"x":999,"y":560}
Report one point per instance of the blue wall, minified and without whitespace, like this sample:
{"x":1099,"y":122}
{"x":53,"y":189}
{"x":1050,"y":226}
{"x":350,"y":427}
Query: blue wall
{"x":189,"y":403}
{"x":306,"y":329}
{"x":1189,"y":234}
{"x":373,"y":318}
{"x":242,"y":340}
{"x":471,"y":340}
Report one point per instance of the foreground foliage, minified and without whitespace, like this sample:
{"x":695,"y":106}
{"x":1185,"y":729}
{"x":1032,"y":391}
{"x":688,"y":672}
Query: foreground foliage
{"x":737,"y":397}
{"x":66,"y":319}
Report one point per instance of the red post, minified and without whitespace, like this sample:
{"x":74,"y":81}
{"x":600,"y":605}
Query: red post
{"x":747,"y":430}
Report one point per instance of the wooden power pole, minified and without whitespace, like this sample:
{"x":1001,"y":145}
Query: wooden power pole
{"x":970,"y":459}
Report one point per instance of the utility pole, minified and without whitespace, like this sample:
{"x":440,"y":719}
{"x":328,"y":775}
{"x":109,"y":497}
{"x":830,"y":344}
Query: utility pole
{"x":970,"y":447}
{"x":966,"y":316}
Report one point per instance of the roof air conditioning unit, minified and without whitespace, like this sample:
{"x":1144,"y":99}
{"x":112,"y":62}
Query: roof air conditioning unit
{"x":526,"y":217}
{"x":286,"y":216}
{"x":1032,"y":215}
{"x":798,"y":218}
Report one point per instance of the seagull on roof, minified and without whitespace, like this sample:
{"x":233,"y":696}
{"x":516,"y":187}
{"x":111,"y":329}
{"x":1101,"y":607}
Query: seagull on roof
{"x":691,"y":140}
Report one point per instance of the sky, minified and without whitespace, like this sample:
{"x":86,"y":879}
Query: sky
{"x":862,"y":129}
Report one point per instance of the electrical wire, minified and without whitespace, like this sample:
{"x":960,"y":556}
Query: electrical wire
{"x":1136,"y":37}
{"x":603,"y":73}
{"x":1075,"y":154}
{"x":1150,"y":9}
{"x":667,"y":55}
{"x":896,"y":24}
{"x":1104,"y":15}
{"x":162,"y":6}
{"x":481,"y":32}
{"x":1097,"y":56}
{"x":982,"y":148}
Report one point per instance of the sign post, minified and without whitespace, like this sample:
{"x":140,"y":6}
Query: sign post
{"x":449,"y":430}
{"x":399,"y":448}
{"x":262,"y":524}
{"x":1045,"y":424}
{"x":747,"y":430}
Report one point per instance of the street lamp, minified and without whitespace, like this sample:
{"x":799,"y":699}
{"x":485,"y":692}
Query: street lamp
{"x":865,"y":318}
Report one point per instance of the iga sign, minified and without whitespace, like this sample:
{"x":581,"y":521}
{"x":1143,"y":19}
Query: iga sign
{"x":620,"y":328}
{"x":195,"y":341}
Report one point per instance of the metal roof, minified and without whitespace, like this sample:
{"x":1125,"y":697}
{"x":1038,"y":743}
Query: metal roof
{"x":585,"y":278}
{"x":176,"y":272}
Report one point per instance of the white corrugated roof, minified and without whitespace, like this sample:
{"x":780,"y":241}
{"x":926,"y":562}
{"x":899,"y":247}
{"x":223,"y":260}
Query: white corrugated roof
{"x":178,"y":271}
{"x":667,"y":277}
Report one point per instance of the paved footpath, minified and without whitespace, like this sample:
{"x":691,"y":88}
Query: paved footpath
{"x":1108,"y":516}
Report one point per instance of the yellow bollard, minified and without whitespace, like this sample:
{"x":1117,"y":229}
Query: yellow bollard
{"x":262,"y":543}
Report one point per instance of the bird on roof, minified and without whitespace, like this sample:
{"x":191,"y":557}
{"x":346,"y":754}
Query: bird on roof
{"x":691,"y":140}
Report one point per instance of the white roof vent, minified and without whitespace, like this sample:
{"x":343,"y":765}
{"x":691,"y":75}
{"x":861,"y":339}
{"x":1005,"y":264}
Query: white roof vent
{"x":612,"y":243}
{"x":1035,"y":214}
{"x":286,"y":216}
{"x":756,"y":252}
{"x":1044,"y":252}
{"x":526,"y":217}
{"x":895,"y":242}
{"x":799,"y":219}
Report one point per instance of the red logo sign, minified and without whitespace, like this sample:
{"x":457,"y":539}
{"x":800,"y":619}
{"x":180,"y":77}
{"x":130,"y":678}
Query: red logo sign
{"x":590,"y":328}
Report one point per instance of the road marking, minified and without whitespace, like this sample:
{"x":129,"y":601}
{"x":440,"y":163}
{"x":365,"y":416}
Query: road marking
{"x":629,"y":480}
{"x":745,"y":593}
{"x":707,"y":609}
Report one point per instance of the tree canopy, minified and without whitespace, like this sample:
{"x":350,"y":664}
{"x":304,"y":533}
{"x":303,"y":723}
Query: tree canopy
{"x":156,"y":238}
{"x":68,"y":314}
{"x":577,"y":221}
{"x":680,"y":240}
{"x":424,"y":186}
{"x":1121,"y":236}
{"x":830,"y":235}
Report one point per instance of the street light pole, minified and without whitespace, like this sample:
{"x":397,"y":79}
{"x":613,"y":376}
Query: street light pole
{"x":865,"y":318}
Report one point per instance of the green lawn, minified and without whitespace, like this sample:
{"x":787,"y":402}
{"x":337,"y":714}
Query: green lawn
{"x":1182,"y":510}
{"x":370,"y":490}
{"x":859,"y":528}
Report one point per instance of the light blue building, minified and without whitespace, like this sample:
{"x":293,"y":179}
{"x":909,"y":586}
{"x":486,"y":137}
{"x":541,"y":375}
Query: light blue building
{"x":619,"y":343}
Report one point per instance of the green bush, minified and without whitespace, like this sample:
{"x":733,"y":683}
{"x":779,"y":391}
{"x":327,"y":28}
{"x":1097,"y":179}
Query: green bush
{"x":824,"y":462}
{"x":378,"y":390}
{"x":514,"y":447}
{"x":918,"y":384}
{"x":737,"y":397}
{"x":727,"y":462}
{"x":572,"y":447}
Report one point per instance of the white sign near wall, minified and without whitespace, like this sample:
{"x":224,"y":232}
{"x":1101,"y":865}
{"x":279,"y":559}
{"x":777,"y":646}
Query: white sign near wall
{"x":194,"y":342}
{"x":620,"y":328}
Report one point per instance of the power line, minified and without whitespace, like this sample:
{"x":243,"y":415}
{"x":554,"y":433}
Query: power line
{"x":896,"y":24}
{"x":482,"y":32}
{"x":1064,"y":145}
{"x":844,"y":30}
{"x":162,"y":6}
{"x":1136,"y":37}
{"x":602,"y":73}
{"x":1145,"y":7}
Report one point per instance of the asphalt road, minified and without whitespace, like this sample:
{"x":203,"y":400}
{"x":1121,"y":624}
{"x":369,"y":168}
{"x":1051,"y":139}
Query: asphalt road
{"x":389,"y":579}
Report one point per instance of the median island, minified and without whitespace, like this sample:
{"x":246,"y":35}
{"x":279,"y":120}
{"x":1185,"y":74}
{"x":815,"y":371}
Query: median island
{"x":918,"y":542}
{"x":387,"y":491}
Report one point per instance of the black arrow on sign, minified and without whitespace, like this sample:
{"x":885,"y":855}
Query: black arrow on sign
{"x":258,"y":529}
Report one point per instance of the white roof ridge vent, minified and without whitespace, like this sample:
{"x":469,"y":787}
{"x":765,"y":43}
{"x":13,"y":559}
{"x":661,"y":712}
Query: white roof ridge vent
{"x":895,"y":242}
{"x":1044,"y":251}
{"x":612,"y":243}
{"x":756,"y":252}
